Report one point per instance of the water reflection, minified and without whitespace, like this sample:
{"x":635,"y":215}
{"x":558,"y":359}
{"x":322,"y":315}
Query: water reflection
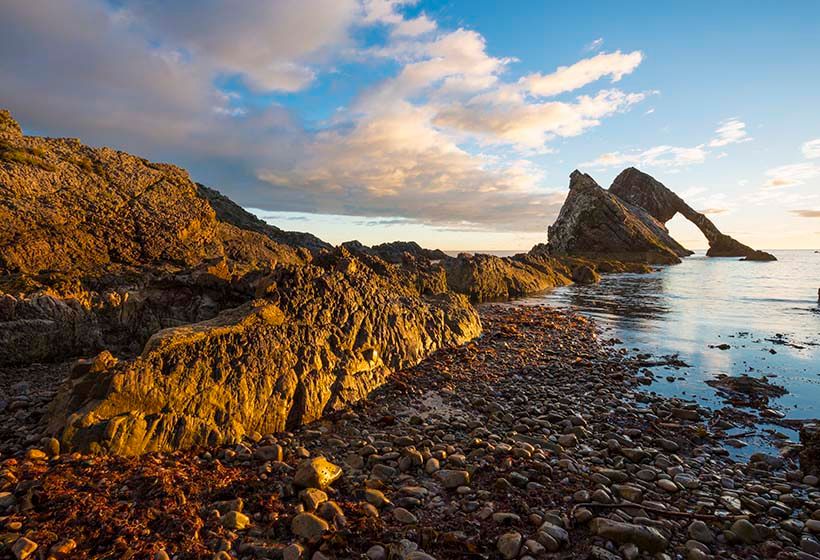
{"x":626,"y":299}
{"x":721,"y":316}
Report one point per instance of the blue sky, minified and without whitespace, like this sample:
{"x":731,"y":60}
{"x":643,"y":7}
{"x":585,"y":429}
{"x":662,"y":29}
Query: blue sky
{"x":448,"y":122}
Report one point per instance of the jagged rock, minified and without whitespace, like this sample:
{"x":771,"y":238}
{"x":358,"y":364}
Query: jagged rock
{"x":44,"y":327}
{"x":642,"y":190}
{"x":584,"y":274}
{"x":230,"y":212}
{"x":810,"y":455}
{"x":595,"y":223}
{"x":487,"y":277}
{"x":9,"y":126}
{"x":744,"y":390}
{"x":235,"y":330}
{"x":317,"y":339}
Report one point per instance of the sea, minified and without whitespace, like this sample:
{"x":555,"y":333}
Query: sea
{"x":719,"y":316}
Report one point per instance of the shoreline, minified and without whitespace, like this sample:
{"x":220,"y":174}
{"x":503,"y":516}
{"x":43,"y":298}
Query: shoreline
{"x":507,"y":446}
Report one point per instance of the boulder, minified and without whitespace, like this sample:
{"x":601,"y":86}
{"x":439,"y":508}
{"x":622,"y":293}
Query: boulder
{"x":810,"y":455}
{"x":584,"y":274}
{"x":317,"y":338}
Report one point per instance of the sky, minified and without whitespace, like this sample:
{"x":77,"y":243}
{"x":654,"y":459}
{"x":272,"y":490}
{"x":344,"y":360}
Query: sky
{"x":452,"y":123}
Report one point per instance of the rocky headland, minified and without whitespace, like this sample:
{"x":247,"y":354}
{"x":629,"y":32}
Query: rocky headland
{"x":179,"y":379}
{"x":626,"y":222}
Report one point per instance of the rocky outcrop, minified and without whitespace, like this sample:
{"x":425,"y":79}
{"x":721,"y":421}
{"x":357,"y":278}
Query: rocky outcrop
{"x":87,"y":212}
{"x":642,"y":190}
{"x":490,"y":278}
{"x":224,"y":326}
{"x":317,"y":338}
{"x":44,"y":327}
{"x":230,"y":212}
{"x":596,"y":223}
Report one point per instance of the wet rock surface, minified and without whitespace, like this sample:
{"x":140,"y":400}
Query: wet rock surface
{"x":530,"y":442}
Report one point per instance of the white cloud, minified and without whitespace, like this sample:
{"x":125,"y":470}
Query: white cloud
{"x":271,"y":44}
{"x":145,"y":78}
{"x":567,"y":78}
{"x":530,"y":125}
{"x":414,"y":27}
{"x":811,"y":149}
{"x":594,"y":45}
{"x":658,"y":156}
{"x":398,"y":164}
{"x":791,"y":175}
{"x":731,"y":131}
{"x":673,"y":157}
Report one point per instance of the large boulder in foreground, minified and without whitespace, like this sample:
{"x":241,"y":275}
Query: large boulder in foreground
{"x":597,"y":224}
{"x":644,"y":191}
{"x":317,"y":338}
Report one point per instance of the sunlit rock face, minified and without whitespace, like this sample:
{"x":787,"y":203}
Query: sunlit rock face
{"x":224,"y":326}
{"x":317,"y":338}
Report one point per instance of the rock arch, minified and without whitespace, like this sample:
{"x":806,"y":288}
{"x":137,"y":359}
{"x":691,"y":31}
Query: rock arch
{"x":642,"y":190}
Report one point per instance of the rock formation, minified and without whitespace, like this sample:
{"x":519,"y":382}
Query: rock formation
{"x":223,"y":325}
{"x":646,"y":192}
{"x":317,"y":338}
{"x":627,"y":222}
{"x":595,"y":223}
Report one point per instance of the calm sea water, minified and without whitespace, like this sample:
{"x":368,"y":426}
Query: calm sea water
{"x":691,"y":308}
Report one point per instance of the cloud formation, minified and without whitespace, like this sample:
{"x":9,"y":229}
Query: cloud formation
{"x":811,"y":149}
{"x":568,"y":78}
{"x":792,"y":174}
{"x":806,"y":213}
{"x":444,"y":138}
{"x":731,"y":131}
{"x":658,"y":156}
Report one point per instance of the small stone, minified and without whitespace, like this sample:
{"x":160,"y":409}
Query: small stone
{"x":645,"y":538}
{"x":312,"y":498}
{"x":432,"y":465}
{"x":317,"y":473}
{"x":23,"y":548}
{"x":235,"y":521}
{"x":376,"y":552}
{"x":568,"y":440}
{"x":269,"y":453}
{"x":308,"y":526}
{"x":813,"y":525}
{"x":161,"y":555}
{"x":667,"y":485}
{"x":701,"y":532}
{"x":453,"y":479}
{"x":36,"y":455}
{"x":52,"y":446}
{"x":293,"y":552}
{"x":405,"y":517}
{"x":375,"y":497}
{"x":745,"y":531}
{"x":509,"y":544}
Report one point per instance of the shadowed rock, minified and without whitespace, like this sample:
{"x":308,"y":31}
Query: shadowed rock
{"x":642,"y":190}
{"x":595,"y":223}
